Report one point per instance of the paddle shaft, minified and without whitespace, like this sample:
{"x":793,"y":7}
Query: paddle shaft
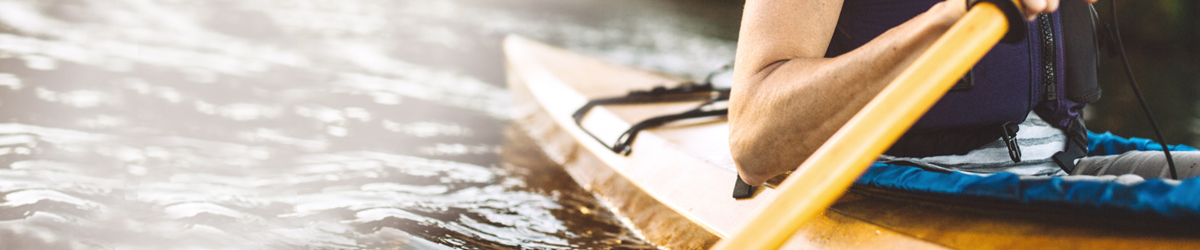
{"x":826,"y":175}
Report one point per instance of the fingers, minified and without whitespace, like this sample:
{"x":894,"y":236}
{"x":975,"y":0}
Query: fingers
{"x":1035,"y":7}
{"x":1051,"y":6}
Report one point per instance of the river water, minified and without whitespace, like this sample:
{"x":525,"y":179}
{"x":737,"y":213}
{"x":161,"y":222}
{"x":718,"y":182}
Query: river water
{"x":350,"y":124}
{"x":301,"y":124}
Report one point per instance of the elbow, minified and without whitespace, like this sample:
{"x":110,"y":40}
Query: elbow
{"x":755,"y":176}
{"x":747,"y":144}
{"x":751,"y":163}
{"x":757,"y":73}
{"x":751,"y":169}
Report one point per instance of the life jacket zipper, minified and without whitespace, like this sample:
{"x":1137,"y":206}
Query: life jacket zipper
{"x":1049,"y":56}
{"x":1049,"y":82}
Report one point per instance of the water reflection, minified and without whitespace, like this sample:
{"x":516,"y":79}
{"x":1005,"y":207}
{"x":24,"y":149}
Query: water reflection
{"x":74,"y":189}
{"x":152,"y":124}
{"x":302,"y":124}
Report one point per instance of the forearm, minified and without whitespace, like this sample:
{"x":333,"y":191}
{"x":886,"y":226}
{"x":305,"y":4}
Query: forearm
{"x":786,"y":104}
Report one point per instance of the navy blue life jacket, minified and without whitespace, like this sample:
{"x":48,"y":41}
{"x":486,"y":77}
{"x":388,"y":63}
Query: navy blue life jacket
{"x":1008,"y":82}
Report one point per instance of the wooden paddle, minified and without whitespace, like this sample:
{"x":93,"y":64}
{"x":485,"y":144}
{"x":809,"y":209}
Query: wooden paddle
{"x":826,"y":175}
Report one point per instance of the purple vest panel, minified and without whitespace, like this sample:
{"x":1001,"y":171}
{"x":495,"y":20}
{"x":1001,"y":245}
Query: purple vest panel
{"x":1008,"y":81}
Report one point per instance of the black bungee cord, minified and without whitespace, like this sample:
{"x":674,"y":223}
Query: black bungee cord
{"x":1116,"y":35}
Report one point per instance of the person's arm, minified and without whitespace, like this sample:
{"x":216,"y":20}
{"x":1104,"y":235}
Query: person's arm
{"x":788,"y":100}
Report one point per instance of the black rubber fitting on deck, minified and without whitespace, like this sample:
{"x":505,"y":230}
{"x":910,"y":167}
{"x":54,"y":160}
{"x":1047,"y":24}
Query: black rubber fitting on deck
{"x":741,"y":190}
{"x":1017,"y":26}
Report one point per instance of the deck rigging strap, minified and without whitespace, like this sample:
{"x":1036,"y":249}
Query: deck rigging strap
{"x":688,"y":91}
{"x":1114,"y":37}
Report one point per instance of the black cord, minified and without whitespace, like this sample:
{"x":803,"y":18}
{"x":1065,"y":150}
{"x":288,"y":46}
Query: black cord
{"x":1133,"y":83}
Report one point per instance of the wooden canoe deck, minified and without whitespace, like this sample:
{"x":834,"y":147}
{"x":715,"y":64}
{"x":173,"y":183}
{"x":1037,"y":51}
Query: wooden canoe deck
{"x":675,"y":186}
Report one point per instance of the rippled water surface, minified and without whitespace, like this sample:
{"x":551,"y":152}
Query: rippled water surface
{"x":268,"y":124}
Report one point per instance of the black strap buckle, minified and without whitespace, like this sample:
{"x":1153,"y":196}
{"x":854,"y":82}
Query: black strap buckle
{"x":1076,"y":146}
{"x":1010,"y":140}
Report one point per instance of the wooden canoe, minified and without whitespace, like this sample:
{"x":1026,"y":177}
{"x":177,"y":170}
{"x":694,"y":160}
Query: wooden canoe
{"x":675,"y":185}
